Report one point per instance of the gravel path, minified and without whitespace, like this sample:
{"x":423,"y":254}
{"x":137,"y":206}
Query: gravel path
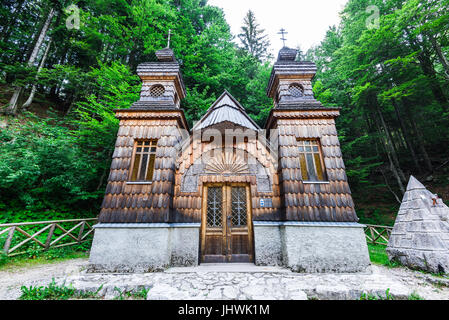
{"x":255,"y":283}
{"x":12,"y":280}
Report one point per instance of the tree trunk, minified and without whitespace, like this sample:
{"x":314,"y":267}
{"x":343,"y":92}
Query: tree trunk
{"x":393,"y":168}
{"x":429,"y":71}
{"x":420,"y":138}
{"x":390,"y":146}
{"x":33,"y":89}
{"x":406,"y":135}
{"x":441,"y":57}
{"x":72,"y":103}
{"x":12,"y":106}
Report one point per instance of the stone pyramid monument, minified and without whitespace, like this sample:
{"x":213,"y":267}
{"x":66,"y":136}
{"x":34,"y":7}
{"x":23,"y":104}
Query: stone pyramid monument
{"x":420,"y":237}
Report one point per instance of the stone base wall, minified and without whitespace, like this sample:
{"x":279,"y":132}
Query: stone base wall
{"x":267,"y":244}
{"x":143,"y":247}
{"x":312,"y":247}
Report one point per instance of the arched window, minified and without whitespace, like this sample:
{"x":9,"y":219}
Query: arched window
{"x":296,"y":90}
{"x":157,"y":90}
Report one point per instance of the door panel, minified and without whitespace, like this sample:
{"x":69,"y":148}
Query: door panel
{"x":227,"y":231}
{"x":214,"y":251}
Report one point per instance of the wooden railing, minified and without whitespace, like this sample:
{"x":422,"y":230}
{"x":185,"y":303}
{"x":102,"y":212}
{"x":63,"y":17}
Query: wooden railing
{"x":377,"y":234}
{"x":46,"y":234}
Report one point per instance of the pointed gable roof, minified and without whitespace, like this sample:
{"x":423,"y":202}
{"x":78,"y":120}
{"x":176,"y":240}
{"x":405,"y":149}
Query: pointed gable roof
{"x":226,"y":109}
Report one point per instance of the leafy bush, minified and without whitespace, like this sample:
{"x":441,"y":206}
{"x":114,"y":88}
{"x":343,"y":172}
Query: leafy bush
{"x":42,"y":167}
{"x":33,"y":251}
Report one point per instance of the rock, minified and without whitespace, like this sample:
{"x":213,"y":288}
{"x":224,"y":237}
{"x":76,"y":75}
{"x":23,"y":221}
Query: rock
{"x":230,"y":293}
{"x":215,"y":294}
{"x":335,"y":292}
{"x":166,"y":292}
{"x":253,"y":291}
{"x":298,"y":295}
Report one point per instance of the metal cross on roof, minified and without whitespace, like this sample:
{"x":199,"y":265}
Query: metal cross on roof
{"x":283,"y":33}
{"x":169,"y":37}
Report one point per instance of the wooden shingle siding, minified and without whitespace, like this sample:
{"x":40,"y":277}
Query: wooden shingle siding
{"x":150,"y":202}
{"x":327,"y":202}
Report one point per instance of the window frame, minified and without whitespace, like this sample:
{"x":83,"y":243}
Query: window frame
{"x":321,"y":157}
{"x":152,"y":144}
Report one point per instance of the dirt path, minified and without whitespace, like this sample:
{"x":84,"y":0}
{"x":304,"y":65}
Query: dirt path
{"x":12,"y":280}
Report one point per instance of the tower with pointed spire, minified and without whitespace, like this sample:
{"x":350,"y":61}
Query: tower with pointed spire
{"x":317,"y":202}
{"x":162,"y":84}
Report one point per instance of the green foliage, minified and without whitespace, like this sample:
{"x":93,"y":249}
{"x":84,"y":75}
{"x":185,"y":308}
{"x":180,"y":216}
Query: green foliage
{"x":132,"y":294}
{"x":4,"y":259}
{"x":56,"y":292}
{"x":253,"y":38}
{"x":51,"y":292}
{"x":370,"y":296}
{"x":415,"y":296}
{"x":42,"y":166}
{"x":392,"y":87}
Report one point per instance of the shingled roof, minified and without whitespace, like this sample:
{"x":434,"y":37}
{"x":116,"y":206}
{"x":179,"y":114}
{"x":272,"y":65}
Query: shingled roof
{"x":226,"y":109}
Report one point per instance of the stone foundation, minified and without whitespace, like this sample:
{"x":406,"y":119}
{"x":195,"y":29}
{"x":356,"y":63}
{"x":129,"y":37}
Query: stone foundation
{"x":143,"y":247}
{"x":312,"y":246}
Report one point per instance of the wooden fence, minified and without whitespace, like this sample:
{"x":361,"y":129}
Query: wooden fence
{"x":46,"y":234}
{"x":377,"y":234}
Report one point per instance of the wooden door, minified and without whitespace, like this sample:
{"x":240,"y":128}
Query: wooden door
{"x":226,"y":224}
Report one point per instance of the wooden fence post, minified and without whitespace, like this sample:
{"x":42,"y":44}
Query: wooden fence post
{"x":80,"y":234}
{"x":50,"y":235}
{"x":9,"y":240}
{"x":372,"y":235}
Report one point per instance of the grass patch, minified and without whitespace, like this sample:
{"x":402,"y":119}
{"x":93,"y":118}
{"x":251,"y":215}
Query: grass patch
{"x":415,"y":296}
{"x":56,"y":292}
{"x":388,"y":296}
{"x":132,"y":295}
{"x":42,"y":257}
{"x":378,"y":255}
{"x":369,"y":296}
{"x":62,"y":292}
